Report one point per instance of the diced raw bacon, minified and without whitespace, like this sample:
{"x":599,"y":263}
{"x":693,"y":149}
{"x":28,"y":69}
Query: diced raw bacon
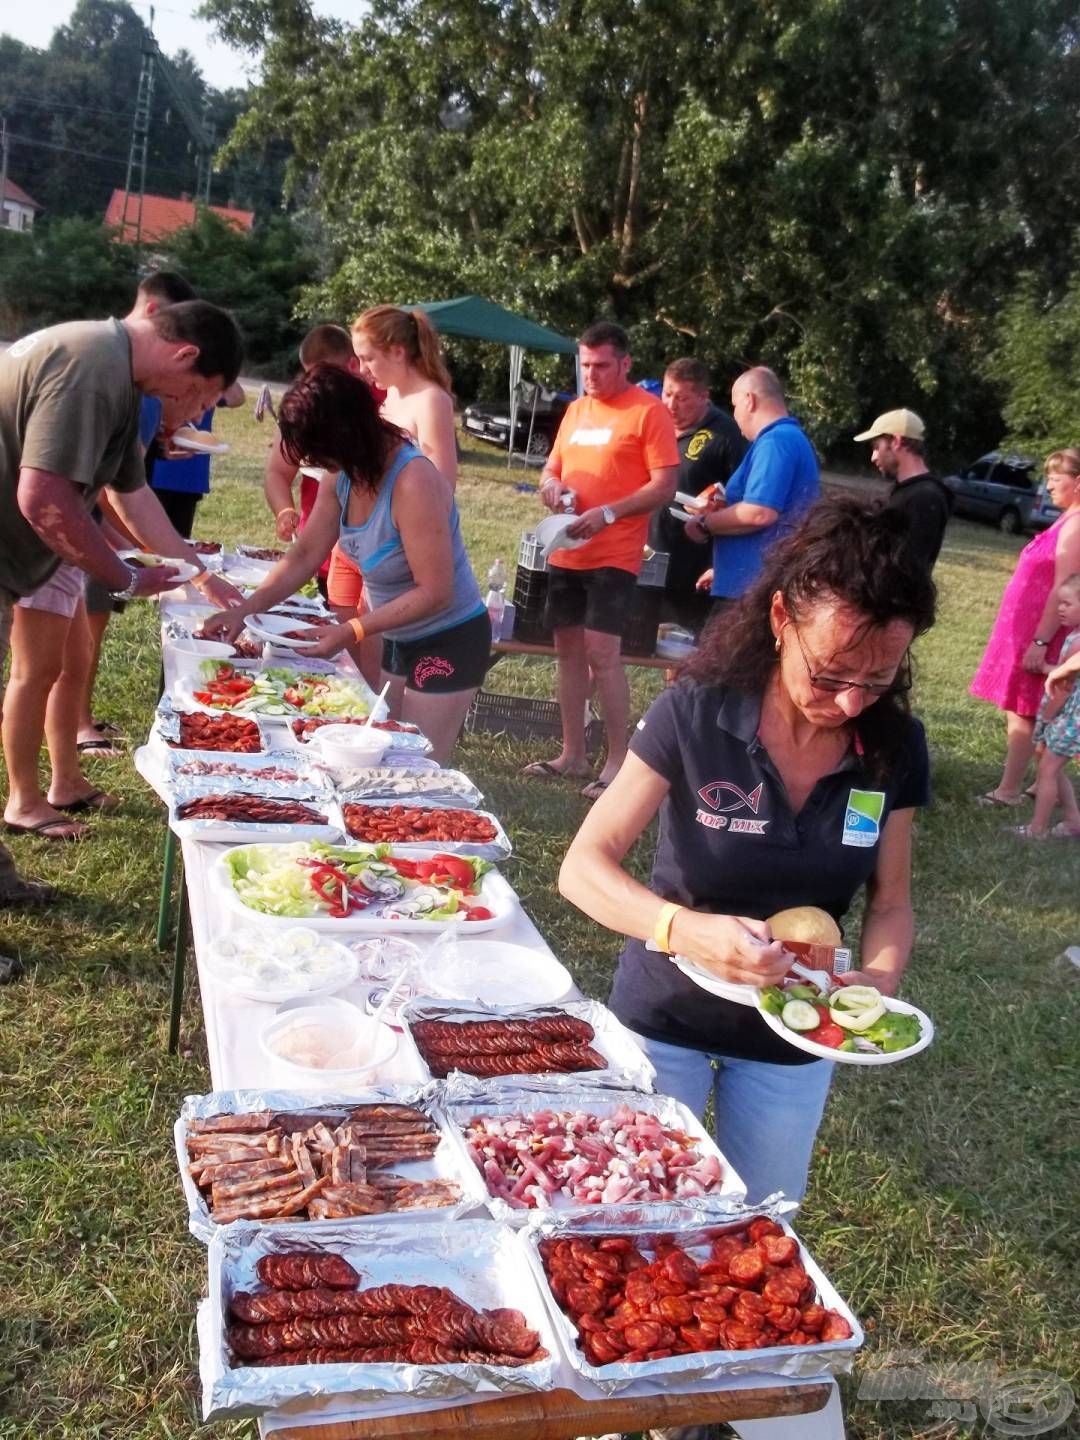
{"x":629,"y":1155}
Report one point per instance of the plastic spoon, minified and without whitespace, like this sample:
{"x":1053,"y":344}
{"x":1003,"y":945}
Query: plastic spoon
{"x":378,"y":701}
{"x":380,"y":1009}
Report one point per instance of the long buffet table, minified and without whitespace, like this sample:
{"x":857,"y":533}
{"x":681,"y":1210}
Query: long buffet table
{"x":758,"y":1406}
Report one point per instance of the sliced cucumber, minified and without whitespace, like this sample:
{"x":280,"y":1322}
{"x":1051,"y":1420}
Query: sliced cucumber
{"x":799,"y":1015}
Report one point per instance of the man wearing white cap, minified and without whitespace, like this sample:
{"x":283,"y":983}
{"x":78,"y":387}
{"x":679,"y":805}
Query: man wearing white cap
{"x":899,"y":453}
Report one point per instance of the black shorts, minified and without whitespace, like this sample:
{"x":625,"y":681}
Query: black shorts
{"x":445,"y":661}
{"x":598,"y":599}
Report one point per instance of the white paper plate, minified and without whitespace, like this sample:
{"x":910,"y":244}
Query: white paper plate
{"x":551,"y":533}
{"x":184,"y":569}
{"x":243,"y":980}
{"x":723,"y":989}
{"x":684,"y":498}
{"x":495,"y":972}
{"x":185,"y":440}
{"x":274,"y":628}
{"x":677,"y":514}
{"x":853,"y":1057}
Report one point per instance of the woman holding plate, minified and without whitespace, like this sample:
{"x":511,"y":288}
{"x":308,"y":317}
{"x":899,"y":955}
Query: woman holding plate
{"x":394,"y":517}
{"x":786,"y":768}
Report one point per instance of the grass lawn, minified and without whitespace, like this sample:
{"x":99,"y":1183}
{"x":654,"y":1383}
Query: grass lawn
{"x":943,"y":1196}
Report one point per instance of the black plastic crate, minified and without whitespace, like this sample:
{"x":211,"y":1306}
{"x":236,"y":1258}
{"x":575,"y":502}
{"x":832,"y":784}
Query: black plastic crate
{"x":526,"y":718}
{"x":639,"y":633}
{"x":530,"y":602}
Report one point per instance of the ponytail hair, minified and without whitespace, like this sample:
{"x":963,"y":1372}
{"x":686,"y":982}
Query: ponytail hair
{"x":387,"y":325}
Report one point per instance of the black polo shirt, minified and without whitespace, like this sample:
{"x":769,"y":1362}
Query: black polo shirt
{"x":709,"y":455}
{"x":730,"y":844}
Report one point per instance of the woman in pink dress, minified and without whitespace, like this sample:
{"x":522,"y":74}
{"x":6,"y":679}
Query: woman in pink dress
{"x":1026,"y":636}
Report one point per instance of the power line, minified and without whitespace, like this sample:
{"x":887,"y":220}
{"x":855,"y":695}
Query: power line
{"x":91,"y":155}
{"x":16,"y":99}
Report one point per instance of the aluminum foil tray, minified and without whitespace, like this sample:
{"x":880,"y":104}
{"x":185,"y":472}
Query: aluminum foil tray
{"x":629,"y":1068}
{"x":447,"y":1163}
{"x":675,"y":1222}
{"x":497,"y":849}
{"x":484,"y":1264}
{"x":503,"y":1099}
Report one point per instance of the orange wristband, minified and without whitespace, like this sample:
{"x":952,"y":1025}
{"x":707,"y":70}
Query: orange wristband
{"x":662,"y":928}
{"x":357,"y":628}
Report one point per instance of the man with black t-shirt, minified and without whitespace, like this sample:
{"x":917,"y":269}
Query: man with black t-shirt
{"x":899,"y":453}
{"x":710,"y":448}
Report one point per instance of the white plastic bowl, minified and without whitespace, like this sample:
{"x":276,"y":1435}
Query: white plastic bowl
{"x":303,"y":1035}
{"x":191,"y":653}
{"x":352,"y":746}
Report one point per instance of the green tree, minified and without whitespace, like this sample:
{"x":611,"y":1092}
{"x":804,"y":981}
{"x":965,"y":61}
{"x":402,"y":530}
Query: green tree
{"x":1036,"y":362}
{"x":840,"y":190}
{"x":257,"y":276}
{"x":69,"y":269}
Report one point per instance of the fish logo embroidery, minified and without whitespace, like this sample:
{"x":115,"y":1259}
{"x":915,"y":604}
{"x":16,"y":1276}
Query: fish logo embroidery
{"x":718,"y":790}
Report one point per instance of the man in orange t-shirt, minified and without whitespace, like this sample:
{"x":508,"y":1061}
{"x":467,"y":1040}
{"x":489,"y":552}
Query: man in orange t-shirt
{"x":616,"y":451}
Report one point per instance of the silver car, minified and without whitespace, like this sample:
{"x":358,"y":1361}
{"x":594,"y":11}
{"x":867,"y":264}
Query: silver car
{"x":1006,"y":490}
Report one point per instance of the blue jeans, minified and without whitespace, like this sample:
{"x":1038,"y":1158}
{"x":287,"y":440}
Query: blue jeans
{"x":765,"y":1116}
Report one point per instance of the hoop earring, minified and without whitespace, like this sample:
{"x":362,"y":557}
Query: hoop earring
{"x":776,"y":646}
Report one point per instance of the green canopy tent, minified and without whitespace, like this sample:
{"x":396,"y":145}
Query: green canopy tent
{"x":471,"y":317}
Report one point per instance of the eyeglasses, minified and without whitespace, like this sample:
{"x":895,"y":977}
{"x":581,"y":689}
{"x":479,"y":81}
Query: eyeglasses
{"x":831,"y":685}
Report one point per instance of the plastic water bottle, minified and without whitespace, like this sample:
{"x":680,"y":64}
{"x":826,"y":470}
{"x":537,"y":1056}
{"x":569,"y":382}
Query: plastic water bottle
{"x":496,"y":597}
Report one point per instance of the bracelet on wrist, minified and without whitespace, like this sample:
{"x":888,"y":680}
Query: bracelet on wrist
{"x":128,"y":590}
{"x":662,"y":928}
{"x":357,"y":627}
{"x":286,"y":510}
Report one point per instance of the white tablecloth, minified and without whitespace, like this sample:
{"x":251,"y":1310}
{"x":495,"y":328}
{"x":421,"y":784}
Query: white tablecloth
{"x":237,"y":1061}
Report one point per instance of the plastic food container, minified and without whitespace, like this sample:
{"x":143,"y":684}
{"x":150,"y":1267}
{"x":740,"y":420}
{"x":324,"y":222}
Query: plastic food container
{"x":191,"y":653}
{"x":272,"y":969}
{"x":352,"y":746}
{"x":493,"y":971}
{"x":327,"y":1043}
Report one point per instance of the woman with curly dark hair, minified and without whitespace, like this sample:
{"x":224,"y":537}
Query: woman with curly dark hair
{"x":786,"y":767}
{"x":394,"y":517}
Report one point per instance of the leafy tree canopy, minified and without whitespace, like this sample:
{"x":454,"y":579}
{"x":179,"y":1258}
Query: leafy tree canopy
{"x":843,"y":191}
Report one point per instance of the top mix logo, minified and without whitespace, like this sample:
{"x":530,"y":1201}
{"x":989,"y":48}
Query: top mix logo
{"x":724,"y":797}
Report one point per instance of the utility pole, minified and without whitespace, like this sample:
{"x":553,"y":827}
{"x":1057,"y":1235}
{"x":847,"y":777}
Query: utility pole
{"x":4,"y":142}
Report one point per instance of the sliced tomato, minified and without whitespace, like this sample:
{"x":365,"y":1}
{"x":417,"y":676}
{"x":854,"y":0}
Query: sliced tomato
{"x":830,"y":1035}
{"x":478,"y":912}
{"x":457,"y":871}
{"x":295,"y":697}
{"x":204,"y":697}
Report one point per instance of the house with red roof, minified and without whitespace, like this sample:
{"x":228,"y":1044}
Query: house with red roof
{"x":17,"y":208}
{"x":162,"y":216}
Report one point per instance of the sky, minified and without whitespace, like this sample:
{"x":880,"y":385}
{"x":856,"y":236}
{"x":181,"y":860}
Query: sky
{"x":174,"y":25}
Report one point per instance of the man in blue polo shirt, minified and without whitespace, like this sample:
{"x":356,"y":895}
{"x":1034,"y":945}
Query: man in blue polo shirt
{"x":776,"y":482}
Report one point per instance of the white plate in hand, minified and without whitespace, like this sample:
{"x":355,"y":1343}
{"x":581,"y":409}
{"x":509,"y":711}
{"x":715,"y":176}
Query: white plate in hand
{"x":691,"y":502}
{"x":144,"y":560}
{"x":723,"y":989}
{"x":201,"y":442}
{"x":677,"y":514}
{"x":275,"y":628}
{"x":854,"y":1057}
{"x":551,"y":533}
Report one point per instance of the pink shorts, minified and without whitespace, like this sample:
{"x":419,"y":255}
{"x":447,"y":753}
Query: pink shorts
{"x":60,"y":595}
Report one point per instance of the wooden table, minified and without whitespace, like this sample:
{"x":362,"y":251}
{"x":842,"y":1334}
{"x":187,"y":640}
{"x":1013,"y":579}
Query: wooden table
{"x":561,"y":1415}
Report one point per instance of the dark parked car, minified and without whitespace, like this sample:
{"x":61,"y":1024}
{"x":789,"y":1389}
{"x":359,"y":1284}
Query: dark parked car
{"x":1006,"y":490}
{"x":490,"y":419}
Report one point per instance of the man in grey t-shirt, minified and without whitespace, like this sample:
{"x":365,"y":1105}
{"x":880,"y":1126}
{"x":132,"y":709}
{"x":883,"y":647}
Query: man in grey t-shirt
{"x":69,"y":403}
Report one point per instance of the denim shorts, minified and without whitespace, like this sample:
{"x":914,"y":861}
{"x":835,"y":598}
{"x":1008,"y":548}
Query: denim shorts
{"x":765,"y":1117}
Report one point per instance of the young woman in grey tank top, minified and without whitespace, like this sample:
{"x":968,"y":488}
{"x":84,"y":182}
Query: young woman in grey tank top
{"x":396,"y":519}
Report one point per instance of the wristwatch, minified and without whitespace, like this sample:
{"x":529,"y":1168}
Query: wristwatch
{"x":129,"y":589}
{"x":608,"y":513}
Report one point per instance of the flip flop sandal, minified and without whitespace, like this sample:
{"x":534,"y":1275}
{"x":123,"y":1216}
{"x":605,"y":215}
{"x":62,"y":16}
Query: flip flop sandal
{"x":595,"y":789}
{"x":990,"y":799}
{"x":42,"y":829}
{"x":106,"y":749}
{"x":108,"y":728}
{"x":96,"y":800}
{"x":1064,"y":831}
{"x":28,"y":894}
{"x":545,"y":770}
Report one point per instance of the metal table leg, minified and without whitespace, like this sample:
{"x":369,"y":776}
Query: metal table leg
{"x":179,"y":962}
{"x":165,"y":898}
